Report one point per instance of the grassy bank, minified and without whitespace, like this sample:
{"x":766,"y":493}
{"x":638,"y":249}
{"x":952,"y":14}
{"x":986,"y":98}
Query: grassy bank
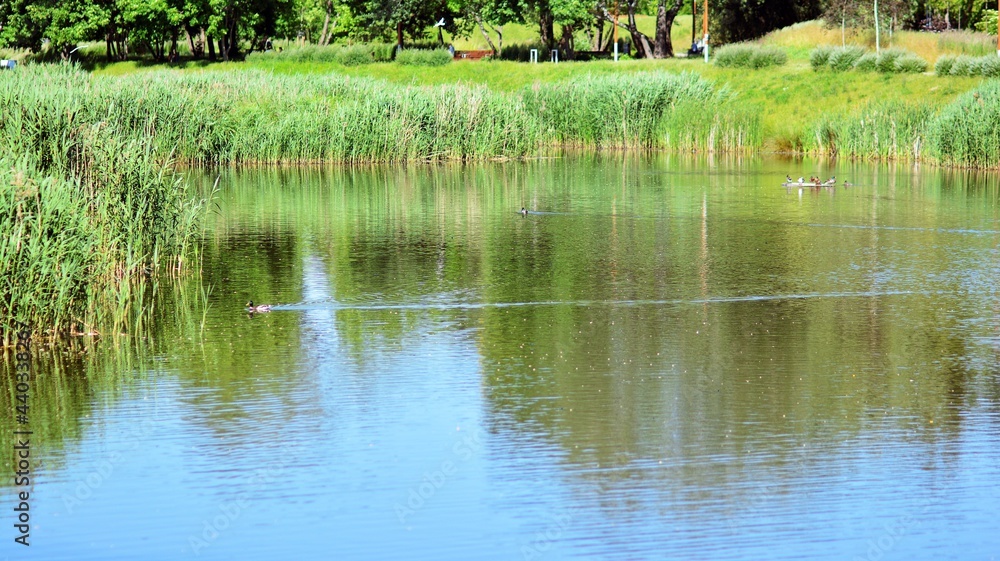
{"x":89,"y":214}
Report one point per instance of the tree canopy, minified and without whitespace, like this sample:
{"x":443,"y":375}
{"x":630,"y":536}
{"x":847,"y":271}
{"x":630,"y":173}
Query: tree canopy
{"x":228,"y":28}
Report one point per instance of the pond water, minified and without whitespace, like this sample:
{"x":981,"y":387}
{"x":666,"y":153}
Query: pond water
{"x":667,"y":358}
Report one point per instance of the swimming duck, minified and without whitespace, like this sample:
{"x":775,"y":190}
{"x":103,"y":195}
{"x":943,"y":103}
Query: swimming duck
{"x":832,"y":181}
{"x":258,"y":309}
{"x":524,"y":211}
{"x":847,"y":184}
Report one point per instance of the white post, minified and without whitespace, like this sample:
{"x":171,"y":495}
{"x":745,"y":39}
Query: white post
{"x":706,"y":48}
{"x":555,"y":56}
{"x":616,"y":51}
{"x":533,"y":56}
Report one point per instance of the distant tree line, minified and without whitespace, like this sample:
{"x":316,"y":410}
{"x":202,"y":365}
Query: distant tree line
{"x":227,"y":29}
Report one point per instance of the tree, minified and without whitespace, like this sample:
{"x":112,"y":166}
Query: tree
{"x":64,"y":23}
{"x":743,"y":20}
{"x":492,"y":14}
{"x":152,"y":23}
{"x":380,"y":18}
{"x":643,"y":46}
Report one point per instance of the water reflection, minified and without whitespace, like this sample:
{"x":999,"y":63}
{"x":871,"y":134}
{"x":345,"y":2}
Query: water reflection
{"x":667,"y":357}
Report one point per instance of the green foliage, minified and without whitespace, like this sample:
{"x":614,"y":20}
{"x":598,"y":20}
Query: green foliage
{"x":943,"y":65}
{"x":64,"y":23}
{"x":749,"y":55}
{"x":967,"y":131}
{"x":820,"y":57}
{"x":964,"y":65}
{"x":886,"y":61}
{"x":355,"y":55}
{"x":87,"y":210}
{"x":740,"y":20}
{"x":989,"y":66}
{"x":844,"y":59}
{"x":866,"y":63}
{"x":415,"y":57}
{"x":988,"y":23}
{"x":522,"y":53}
{"x":910,"y":64}
{"x":383,"y":52}
{"x":986,"y":66}
{"x":881,"y":130}
{"x":680,"y":111}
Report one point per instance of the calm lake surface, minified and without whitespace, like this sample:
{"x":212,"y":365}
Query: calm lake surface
{"x":667,"y":358}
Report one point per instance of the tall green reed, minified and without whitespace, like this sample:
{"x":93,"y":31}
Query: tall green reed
{"x":88,"y":211}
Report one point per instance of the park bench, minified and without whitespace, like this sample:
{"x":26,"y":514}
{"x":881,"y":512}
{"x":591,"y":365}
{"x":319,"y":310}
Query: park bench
{"x":472,"y":55}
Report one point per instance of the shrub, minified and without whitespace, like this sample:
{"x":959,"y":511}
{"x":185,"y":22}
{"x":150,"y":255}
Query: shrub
{"x":989,"y":66}
{"x":383,"y":52}
{"x":964,"y":66}
{"x":866,"y":63}
{"x":736,"y":55}
{"x":910,"y":64}
{"x":415,"y":57}
{"x":886,"y":61}
{"x":943,"y":65}
{"x":746,"y":55}
{"x":819,"y":57}
{"x":844,"y":59}
{"x":355,"y":55}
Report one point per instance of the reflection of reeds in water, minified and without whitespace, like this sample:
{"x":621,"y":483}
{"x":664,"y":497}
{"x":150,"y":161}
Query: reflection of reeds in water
{"x":80,"y":376}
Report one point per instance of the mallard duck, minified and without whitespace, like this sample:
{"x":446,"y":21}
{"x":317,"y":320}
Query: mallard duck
{"x":524,"y":211}
{"x":788,"y":178}
{"x":802,"y":179}
{"x":258,"y":309}
{"x":832,"y":181}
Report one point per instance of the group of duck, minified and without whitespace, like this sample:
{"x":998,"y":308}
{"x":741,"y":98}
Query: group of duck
{"x":813,"y":182}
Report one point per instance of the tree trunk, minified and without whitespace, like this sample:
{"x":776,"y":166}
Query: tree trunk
{"x":399,"y":34}
{"x":211,"y":47}
{"x":878,"y":45}
{"x":599,"y":35}
{"x":324,"y":38}
{"x":545,"y":27}
{"x":664,"y":47}
{"x":479,"y":22}
{"x":642,"y":47}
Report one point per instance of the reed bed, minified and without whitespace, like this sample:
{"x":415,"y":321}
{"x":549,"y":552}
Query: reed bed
{"x":967,"y":131}
{"x":883,"y":130}
{"x":88,"y":215}
{"x":652,"y":110}
{"x":257,"y":117}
